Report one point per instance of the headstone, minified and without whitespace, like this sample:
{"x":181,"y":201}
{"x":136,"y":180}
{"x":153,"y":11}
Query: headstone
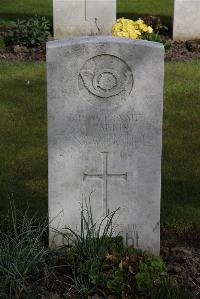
{"x":83,"y":17}
{"x":186,"y":19}
{"x":105,"y":101}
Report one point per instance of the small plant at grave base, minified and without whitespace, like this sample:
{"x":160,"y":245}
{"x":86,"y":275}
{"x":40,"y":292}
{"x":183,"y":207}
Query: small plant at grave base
{"x":23,"y":256}
{"x":103,"y":265}
{"x":29,"y":33}
{"x":139,"y":30}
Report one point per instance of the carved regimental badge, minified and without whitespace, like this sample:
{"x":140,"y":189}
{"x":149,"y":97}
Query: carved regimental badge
{"x":105,"y":80}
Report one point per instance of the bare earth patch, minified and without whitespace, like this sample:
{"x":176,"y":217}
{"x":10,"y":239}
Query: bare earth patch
{"x":183,"y":50}
{"x":181,"y":253}
{"x":179,"y":50}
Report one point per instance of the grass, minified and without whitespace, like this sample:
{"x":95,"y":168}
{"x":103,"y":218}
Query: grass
{"x":23,"y":140}
{"x":181,"y":160}
{"x":13,"y":9}
{"x":23,"y":255}
{"x":138,"y":8}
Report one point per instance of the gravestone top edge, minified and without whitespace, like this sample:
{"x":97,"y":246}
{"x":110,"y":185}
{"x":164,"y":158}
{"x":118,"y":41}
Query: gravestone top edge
{"x":102,"y":39}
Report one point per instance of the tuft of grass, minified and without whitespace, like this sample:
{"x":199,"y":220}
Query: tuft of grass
{"x":23,"y":254}
{"x":86,"y":250}
{"x":94,"y":237}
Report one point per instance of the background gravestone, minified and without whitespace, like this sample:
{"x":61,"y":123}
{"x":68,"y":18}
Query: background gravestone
{"x":105,"y":99}
{"x":83,"y":17}
{"x":186,"y":19}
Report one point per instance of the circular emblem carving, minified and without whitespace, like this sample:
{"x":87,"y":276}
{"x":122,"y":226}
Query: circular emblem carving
{"x":105,"y":80}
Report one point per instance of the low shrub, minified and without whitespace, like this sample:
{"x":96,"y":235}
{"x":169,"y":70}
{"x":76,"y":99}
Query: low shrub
{"x":101,"y":262}
{"x":30,"y":33}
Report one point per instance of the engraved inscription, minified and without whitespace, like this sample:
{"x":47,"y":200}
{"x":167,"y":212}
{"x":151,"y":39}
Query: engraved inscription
{"x":105,"y":79}
{"x":105,"y":176}
{"x":130,"y":129}
{"x":132,"y":234}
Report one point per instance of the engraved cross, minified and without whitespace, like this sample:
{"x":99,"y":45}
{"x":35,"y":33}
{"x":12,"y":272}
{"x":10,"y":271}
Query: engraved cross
{"x":105,"y":176}
{"x":85,"y":7}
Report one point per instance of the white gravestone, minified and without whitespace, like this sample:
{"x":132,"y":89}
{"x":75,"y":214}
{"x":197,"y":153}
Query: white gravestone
{"x":83,"y":17}
{"x":186,"y":23}
{"x":105,"y":101}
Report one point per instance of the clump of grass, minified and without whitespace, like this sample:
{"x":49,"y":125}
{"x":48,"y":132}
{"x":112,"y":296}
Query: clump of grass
{"x":86,"y":250}
{"x":23,"y":254}
{"x":94,"y":237}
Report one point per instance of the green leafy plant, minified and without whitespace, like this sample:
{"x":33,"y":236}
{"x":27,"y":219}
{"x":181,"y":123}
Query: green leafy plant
{"x":156,"y":37}
{"x":30,"y":33}
{"x":101,"y":262}
{"x":23,"y":255}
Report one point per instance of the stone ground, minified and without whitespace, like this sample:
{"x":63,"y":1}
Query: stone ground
{"x":179,"y":50}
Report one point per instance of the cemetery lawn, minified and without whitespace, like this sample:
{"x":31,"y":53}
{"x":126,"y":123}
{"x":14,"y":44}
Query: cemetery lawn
{"x":13,"y":9}
{"x":134,"y":9}
{"x":23,"y":136}
{"x":23,"y":140}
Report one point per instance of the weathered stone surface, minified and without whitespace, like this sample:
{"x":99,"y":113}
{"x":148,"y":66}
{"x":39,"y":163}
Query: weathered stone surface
{"x":186,"y":19}
{"x":83,"y":17}
{"x":105,"y":99}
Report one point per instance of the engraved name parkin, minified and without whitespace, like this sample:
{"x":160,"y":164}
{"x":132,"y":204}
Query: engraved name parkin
{"x":105,"y":80}
{"x":105,"y":176}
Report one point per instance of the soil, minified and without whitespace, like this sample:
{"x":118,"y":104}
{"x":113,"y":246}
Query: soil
{"x":181,"y":253}
{"x":183,"y":50}
{"x":23,"y":53}
{"x":179,"y":50}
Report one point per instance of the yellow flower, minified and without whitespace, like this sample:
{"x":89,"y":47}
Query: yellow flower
{"x":117,"y":27}
{"x":125,"y":34}
{"x":133,"y":35}
{"x":139,"y":21}
{"x":130,"y":29}
{"x":150,"y":29}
